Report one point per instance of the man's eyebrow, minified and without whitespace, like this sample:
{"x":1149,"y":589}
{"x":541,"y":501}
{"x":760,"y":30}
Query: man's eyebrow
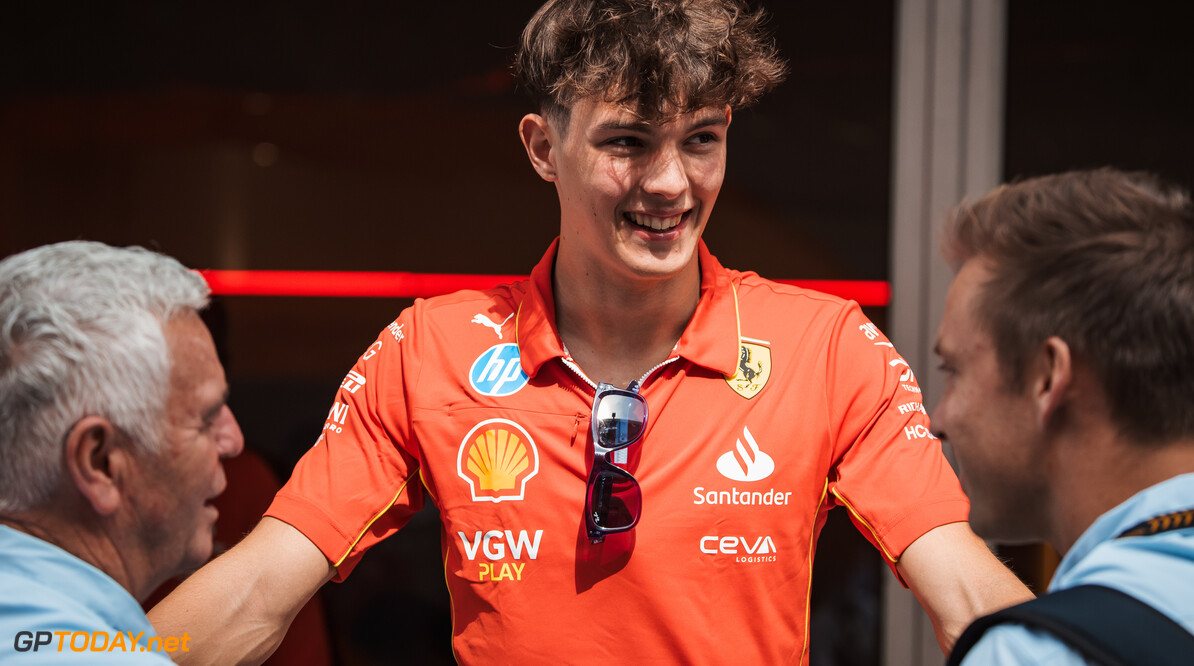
{"x":712,"y":120}
{"x":641,"y":126}
{"x":215,"y":408}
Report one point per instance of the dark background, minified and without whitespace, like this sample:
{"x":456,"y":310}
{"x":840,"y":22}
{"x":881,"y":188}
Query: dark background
{"x":374,"y":135}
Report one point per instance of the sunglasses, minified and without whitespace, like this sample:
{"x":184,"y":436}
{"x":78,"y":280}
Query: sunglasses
{"x":613,"y":499}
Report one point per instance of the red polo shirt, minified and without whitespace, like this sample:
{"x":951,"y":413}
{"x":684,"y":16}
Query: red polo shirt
{"x":778,"y":403}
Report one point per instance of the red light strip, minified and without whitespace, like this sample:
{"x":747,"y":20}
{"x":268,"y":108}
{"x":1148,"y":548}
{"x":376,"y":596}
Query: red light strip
{"x":423,"y":285}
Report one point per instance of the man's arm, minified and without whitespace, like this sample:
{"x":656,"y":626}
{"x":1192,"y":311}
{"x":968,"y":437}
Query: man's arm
{"x":957,"y":579}
{"x":236,"y":609}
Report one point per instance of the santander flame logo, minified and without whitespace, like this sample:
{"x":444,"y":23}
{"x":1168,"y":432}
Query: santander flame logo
{"x":745,"y":464}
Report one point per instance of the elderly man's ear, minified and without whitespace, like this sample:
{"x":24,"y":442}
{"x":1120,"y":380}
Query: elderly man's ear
{"x":98,"y":460}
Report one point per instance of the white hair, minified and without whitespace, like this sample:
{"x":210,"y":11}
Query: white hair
{"x":81,"y":334}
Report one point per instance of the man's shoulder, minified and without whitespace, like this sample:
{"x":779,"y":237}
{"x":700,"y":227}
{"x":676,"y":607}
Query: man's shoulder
{"x":752,"y":285}
{"x":1158,"y":570}
{"x":507,"y":295}
{"x":45,"y":586}
{"x":785,"y":303}
{"x":462,"y":313}
{"x":61,"y":621}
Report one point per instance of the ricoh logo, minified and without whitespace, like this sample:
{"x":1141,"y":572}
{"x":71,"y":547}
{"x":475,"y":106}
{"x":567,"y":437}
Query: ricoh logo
{"x":493,"y":545}
{"x":745,"y":550}
{"x":911,"y":407}
{"x":498,"y":371}
{"x":748,"y":464}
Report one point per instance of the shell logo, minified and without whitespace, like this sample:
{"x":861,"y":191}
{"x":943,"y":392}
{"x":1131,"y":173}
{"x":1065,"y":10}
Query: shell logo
{"x":497,"y":458}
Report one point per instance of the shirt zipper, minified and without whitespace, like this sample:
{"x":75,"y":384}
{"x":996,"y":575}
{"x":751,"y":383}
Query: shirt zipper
{"x":618,"y":456}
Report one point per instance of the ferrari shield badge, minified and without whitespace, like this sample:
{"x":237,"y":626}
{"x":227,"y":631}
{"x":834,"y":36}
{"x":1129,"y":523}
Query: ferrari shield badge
{"x":754,"y":367}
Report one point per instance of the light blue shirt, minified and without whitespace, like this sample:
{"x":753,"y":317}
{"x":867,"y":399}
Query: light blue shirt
{"x":1157,"y":569}
{"x":46,"y":589}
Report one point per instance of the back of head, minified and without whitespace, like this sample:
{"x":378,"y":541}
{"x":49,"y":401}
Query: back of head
{"x":1104,"y":260}
{"x":81,"y":334}
{"x":660,"y":58}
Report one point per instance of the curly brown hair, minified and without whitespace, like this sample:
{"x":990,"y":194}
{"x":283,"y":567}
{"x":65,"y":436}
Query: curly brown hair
{"x":659,"y":58}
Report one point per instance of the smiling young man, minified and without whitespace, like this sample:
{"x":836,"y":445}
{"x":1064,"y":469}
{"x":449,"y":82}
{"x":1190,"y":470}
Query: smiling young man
{"x":113,"y":426}
{"x":635,"y":464}
{"x":1068,"y":346}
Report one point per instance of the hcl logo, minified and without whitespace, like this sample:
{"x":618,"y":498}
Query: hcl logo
{"x":498,"y":372}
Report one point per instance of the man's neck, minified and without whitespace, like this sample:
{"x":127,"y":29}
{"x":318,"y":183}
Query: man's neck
{"x":615,"y":328}
{"x":1105,"y":471}
{"x":83,"y":541}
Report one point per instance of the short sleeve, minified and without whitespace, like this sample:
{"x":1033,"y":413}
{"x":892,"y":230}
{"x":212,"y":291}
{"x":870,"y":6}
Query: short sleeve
{"x":360,"y":482}
{"x":889,"y":470}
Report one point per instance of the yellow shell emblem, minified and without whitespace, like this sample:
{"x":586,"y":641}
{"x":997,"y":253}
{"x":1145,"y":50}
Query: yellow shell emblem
{"x":754,"y":368}
{"x":497,"y":458}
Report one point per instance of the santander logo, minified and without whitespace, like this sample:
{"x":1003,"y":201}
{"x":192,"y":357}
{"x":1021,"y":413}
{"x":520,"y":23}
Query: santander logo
{"x":745,"y":463}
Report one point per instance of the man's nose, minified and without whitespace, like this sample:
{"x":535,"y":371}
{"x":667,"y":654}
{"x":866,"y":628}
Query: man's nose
{"x":666,"y":175}
{"x":230,"y":440}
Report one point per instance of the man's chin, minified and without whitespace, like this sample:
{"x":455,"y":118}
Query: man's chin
{"x":198,"y":554}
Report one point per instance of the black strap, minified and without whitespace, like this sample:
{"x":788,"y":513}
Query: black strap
{"x":1104,"y":625}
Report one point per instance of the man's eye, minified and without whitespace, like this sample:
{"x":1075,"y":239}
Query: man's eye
{"x":625,"y":142}
{"x":703,"y":138}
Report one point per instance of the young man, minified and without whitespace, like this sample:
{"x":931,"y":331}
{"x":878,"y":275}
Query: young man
{"x":113,"y":424}
{"x":680,"y":526}
{"x":1068,"y":346}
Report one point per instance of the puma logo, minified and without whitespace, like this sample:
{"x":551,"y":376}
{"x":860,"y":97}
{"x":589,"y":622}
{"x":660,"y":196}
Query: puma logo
{"x":486,"y":321}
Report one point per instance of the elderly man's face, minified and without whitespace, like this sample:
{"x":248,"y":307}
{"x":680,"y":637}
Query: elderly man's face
{"x":174,"y":510}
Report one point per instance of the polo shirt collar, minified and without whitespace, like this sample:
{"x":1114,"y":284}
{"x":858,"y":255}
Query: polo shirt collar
{"x":1170,"y":495}
{"x":710,"y":340}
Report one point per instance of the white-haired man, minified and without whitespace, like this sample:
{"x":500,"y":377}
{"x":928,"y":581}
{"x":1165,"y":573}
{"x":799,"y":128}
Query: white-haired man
{"x":113,"y":423}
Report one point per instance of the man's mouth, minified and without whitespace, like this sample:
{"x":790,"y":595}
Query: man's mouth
{"x":653,"y":222}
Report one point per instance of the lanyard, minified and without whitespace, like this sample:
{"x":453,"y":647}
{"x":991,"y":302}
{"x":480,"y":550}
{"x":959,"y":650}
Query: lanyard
{"x":1163,"y":523}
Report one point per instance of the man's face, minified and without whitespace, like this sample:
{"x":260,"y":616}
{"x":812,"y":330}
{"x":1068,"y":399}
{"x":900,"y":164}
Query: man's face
{"x":173,"y":502}
{"x":992,"y":427}
{"x":635,"y":197}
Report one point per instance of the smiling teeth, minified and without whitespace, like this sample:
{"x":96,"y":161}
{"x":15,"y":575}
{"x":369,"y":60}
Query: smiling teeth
{"x":655,"y":223}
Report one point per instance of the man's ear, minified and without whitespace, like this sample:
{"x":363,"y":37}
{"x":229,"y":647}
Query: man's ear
{"x":1051,"y":375}
{"x":98,"y":464}
{"x":537,"y":137}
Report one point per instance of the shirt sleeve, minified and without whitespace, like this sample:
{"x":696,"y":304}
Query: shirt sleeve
{"x":1014,"y":644}
{"x":360,"y":482}
{"x":889,"y":470}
